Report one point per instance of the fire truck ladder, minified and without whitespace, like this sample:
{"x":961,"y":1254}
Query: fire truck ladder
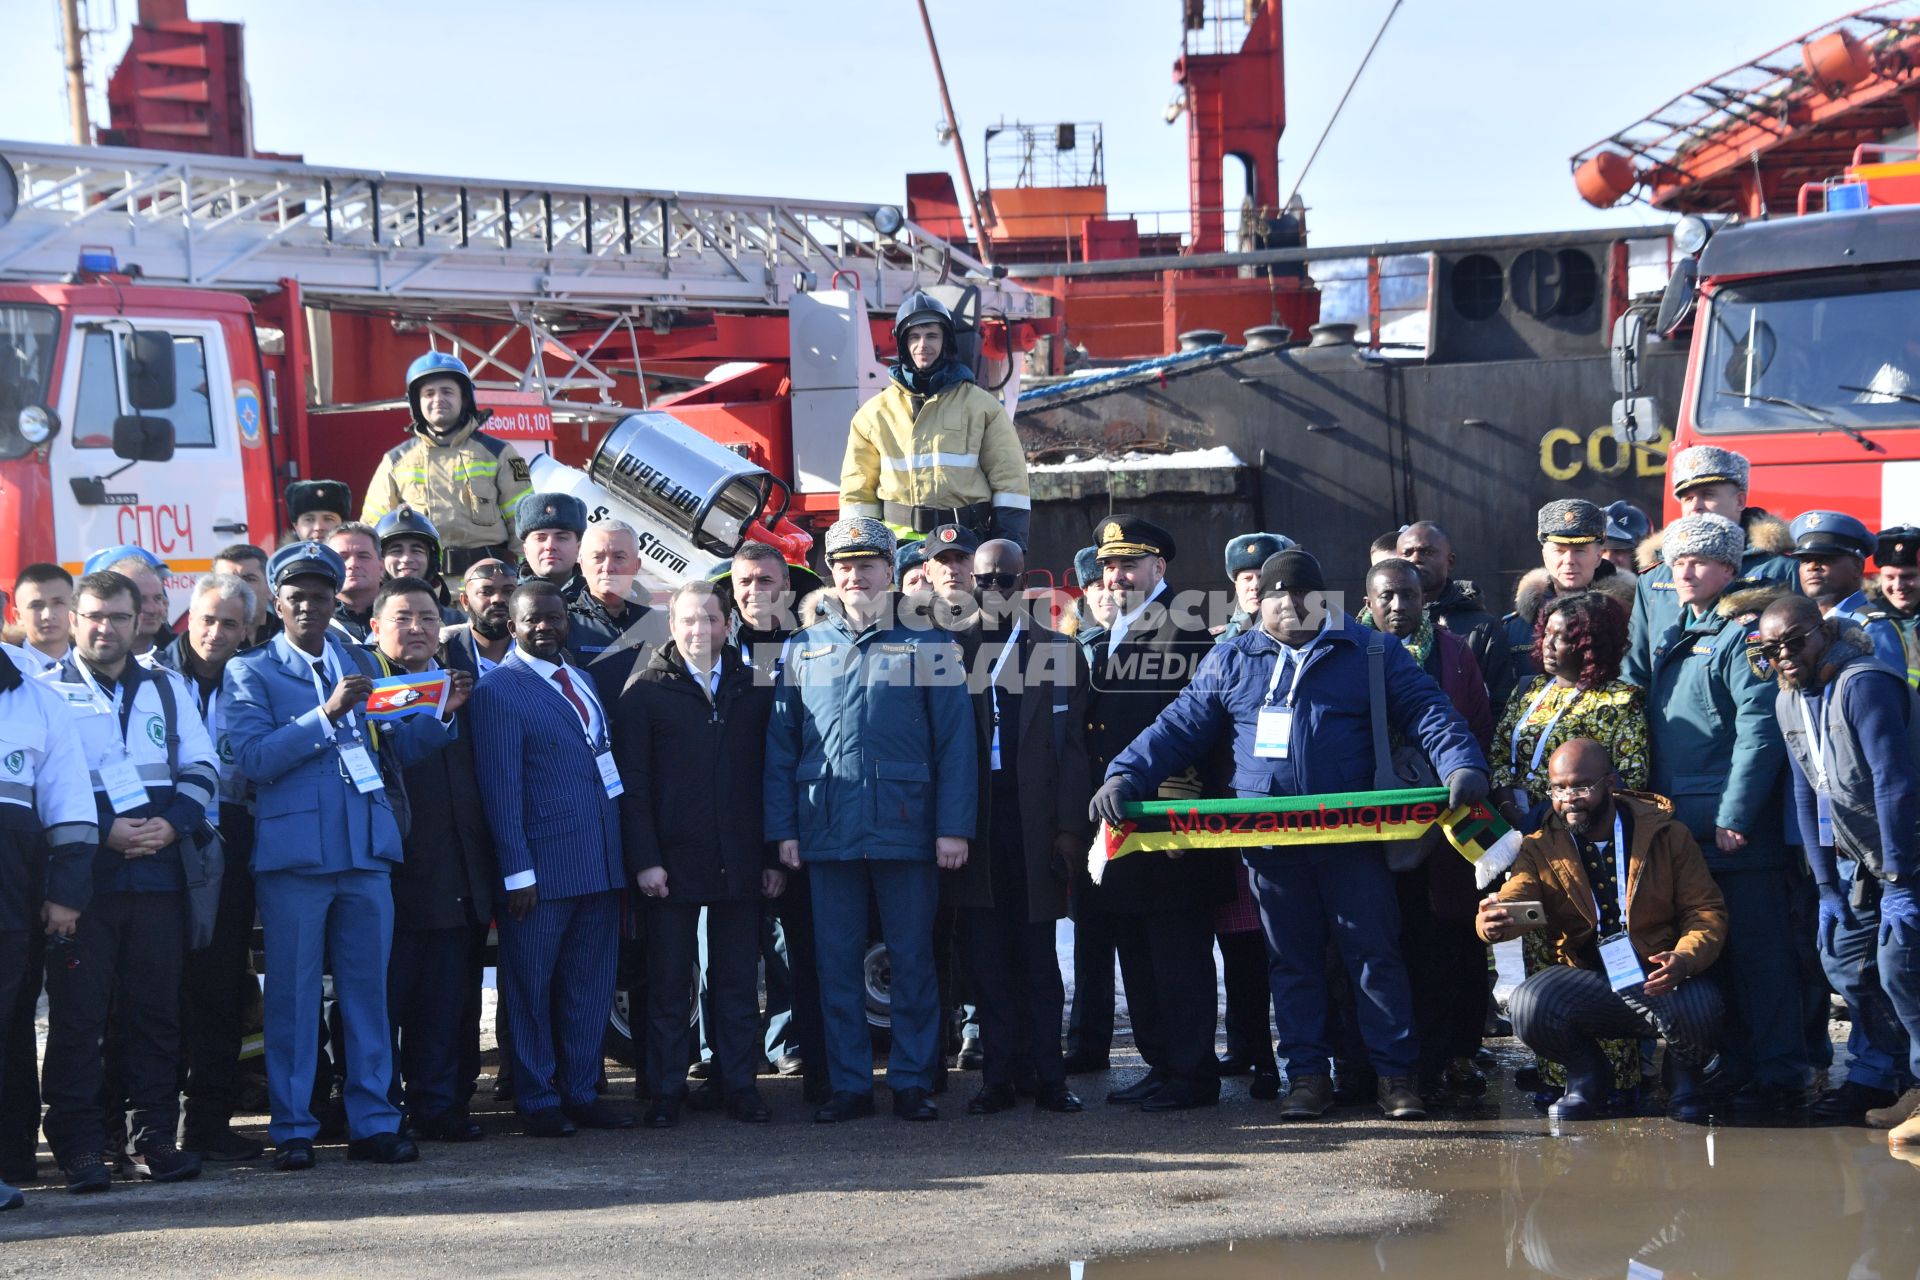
{"x":420,"y":244}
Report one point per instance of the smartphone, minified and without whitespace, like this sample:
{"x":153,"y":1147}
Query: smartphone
{"x":1527,"y":915}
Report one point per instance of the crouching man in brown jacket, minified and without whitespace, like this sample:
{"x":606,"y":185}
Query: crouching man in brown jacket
{"x":1630,"y":942}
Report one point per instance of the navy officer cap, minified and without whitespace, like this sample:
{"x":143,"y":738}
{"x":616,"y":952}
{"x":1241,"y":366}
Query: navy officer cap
{"x":1129,"y":536}
{"x":306,"y":559}
{"x":1830,"y":533}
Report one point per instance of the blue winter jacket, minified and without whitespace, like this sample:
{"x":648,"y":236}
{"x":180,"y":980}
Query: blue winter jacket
{"x":1331,"y":748}
{"x":870,"y":750}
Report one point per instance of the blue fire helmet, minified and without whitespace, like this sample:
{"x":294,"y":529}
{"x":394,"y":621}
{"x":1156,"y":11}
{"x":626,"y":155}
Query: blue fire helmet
{"x":437,"y":364}
{"x":107,"y":557}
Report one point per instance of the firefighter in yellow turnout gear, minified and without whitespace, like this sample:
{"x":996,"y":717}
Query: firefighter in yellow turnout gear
{"x":468,"y":483}
{"x":934,"y":448}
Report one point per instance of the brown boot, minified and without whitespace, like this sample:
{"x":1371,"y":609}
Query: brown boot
{"x":1398,"y":1099}
{"x":1888,"y":1116}
{"x":1308,"y":1097}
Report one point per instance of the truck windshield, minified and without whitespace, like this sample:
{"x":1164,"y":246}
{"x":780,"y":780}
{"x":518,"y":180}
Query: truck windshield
{"x":26,"y":358}
{"x":1783,"y":355}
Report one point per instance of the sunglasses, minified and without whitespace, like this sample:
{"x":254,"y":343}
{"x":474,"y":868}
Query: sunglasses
{"x":998,"y":579}
{"x":1774,"y":650}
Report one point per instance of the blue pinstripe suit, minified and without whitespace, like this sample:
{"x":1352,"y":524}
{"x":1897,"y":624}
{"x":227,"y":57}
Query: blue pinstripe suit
{"x":552,"y":818}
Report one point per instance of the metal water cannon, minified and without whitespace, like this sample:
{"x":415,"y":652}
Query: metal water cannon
{"x":704,"y":491}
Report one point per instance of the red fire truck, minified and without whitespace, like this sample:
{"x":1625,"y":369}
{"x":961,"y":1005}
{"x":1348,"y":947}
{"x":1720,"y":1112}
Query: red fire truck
{"x":180,"y":335}
{"x":1799,"y":287}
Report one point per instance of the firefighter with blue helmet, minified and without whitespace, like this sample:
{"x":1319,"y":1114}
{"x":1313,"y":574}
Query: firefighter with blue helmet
{"x":468,"y":483}
{"x":933,"y":447}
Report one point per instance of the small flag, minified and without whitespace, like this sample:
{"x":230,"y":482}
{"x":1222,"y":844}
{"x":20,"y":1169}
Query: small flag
{"x":1473,"y":830}
{"x":397,"y":697}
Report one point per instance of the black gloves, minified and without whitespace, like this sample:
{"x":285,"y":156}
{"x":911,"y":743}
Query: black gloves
{"x":1113,"y":793}
{"x":1465,"y":787}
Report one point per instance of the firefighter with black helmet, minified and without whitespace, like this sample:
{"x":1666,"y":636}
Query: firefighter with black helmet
{"x":410,"y":548}
{"x":468,"y":483}
{"x":933,"y":448}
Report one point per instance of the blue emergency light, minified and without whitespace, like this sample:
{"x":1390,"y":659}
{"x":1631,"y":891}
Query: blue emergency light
{"x":98,"y":260}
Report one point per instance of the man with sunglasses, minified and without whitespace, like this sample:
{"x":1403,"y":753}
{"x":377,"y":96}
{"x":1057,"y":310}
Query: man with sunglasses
{"x":1849,"y":726}
{"x":1632,"y":920}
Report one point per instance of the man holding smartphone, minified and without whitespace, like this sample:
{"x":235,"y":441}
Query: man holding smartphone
{"x":1632,"y":919}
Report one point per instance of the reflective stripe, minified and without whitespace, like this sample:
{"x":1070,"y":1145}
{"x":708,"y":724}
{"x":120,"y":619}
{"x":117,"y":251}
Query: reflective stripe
{"x":196,"y":791}
{"x":20,"y":793}
{"x":871,"y":510}
{"x":62,"y":833}
{"x":921,"y":461}
{"x":1014,"y":501}
{"x":148,"y":773}
{"x":402,"y":475}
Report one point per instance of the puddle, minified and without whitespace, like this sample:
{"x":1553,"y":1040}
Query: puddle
{"x":1642,"y":1199}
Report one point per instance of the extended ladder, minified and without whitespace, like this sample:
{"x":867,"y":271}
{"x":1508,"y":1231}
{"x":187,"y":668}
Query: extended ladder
{"x":410,"y":242}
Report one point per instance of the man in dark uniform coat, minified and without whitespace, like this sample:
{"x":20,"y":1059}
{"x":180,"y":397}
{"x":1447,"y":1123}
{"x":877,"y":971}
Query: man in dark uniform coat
{"x":1161,"y":903}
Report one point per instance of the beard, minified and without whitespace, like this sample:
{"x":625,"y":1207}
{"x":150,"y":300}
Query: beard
{"x":490,"y":628}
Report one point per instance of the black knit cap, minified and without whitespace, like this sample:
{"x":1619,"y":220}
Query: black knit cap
{"x":1293,"y":570}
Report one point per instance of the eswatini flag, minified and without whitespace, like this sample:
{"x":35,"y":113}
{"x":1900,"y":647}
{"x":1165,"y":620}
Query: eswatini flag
{"x":397,"y":697}
{"x":1342,"y":818}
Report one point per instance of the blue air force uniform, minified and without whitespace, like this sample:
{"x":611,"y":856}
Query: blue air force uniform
{"x":322,"y":853}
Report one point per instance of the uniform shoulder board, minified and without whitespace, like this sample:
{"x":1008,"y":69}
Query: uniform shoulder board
{"x":491,"y":443}
{"x":399,"y":451}
{"x":1876,"y":615}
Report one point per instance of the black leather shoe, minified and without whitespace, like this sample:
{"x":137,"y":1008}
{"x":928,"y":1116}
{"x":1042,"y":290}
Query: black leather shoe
{"x":1059,"y":1099}
{"x":224,"y":1146}
{"x":700,"y":1070}
{"x":547,"y":1122}
{"x":914,"y":1104}
{"x":1181,"y":1095}
{"x":1084,"y":1064}
{"x":970,"y":1059}
{"x":663,"y":1114}
{"x":449,"y":1128}
{"x":1850,"y":1103}
{"x":1265,"y":1086}
{"x":748,"y":1107}
{"x":1235,"y":1065}
{"x":789,"y":1064}
{"x":992,"y":1099}
{"x":845,"y":1106}
{"x":1784,"y":1101}
{"x":87,"y":1173}
{"x":1139,"y":1091}
{"x":164,"y":1162}
{"x":595,"y":1116}
{"x":294,"y":1155}
{"x":383,"y":1148}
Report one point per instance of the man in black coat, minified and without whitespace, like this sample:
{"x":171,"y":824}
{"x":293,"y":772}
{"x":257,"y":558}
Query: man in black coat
{"x":1455,"y":605}
{"x":693,"y":724}
{"x":442,"y":892}
{"x":1161,"y":903}
{"x":1032,"y":829}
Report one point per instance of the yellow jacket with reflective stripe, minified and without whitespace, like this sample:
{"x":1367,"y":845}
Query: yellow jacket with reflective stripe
{"x":470,"y":486}
{"x":950,"y":449}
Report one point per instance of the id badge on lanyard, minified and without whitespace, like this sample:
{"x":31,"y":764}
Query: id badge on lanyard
{"x":361,"y":771}
{"x":993,"y":693}
{"x":1822,"y":786}
{"x":1617,"y":955}
{"x":1273,"y":730}
{"x":609,"y":774}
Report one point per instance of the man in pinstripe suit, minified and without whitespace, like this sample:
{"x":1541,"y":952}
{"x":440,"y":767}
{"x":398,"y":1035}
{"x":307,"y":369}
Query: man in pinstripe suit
{"x":543,"y":751}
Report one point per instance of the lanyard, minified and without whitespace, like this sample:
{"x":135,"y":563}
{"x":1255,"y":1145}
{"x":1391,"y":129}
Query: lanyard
{"x":1299,"y":664}
{"x":120,"y":705}
{"x":1810,"y":709}
{"x":993,"y":677}
{"x":1619,"y":872}
{"x":320,"y":687}
{"x":1546,"y":734}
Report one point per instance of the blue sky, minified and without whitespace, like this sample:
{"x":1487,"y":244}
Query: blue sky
{"x":1462,"y":125}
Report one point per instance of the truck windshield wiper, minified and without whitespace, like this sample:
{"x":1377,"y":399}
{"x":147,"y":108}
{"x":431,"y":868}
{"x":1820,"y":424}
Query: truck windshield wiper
{"x":1907,"y":396}
{"x":1820,"y":416}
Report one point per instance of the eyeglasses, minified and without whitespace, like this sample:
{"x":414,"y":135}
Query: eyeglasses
{"x":998,"y":579}
{"x":1774,"y":650}
{"x":1583,"y":790}
{"x":111,"y":619}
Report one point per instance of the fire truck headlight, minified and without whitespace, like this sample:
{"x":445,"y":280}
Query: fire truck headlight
{"x":1691,"y":233}
{"x":887,"y":220}
{"x":36,"y":424}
